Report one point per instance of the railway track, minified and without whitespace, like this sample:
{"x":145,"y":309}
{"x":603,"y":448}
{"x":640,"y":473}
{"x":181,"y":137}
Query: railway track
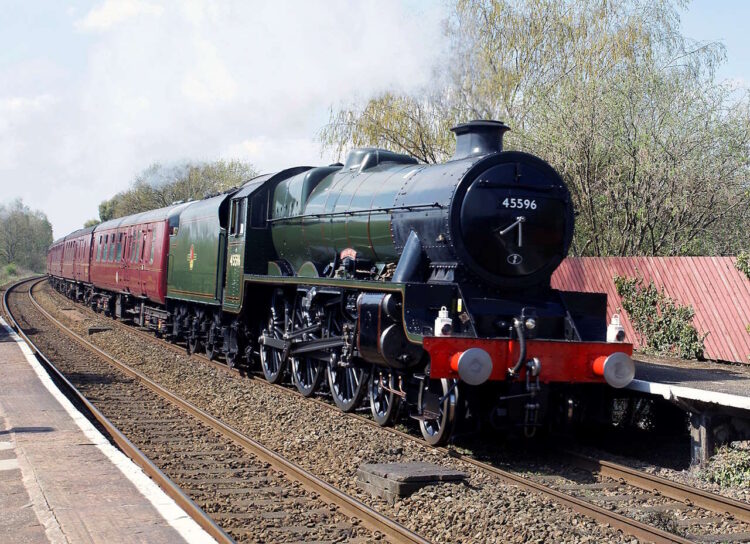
{"x":246,"y":492}
{"x":665,"y":511}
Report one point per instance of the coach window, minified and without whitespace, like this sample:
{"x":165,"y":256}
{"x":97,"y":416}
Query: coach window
{"x":119,"y":247}
{"x":99,"y":252}
{"x":153,"y":246}
{"x":111,"y":248}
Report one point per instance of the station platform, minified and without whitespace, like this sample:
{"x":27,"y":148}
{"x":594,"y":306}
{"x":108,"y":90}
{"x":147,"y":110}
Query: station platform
{"x":61,"y":481}
{"x":705,"y":382}
{"x":716,"y":397}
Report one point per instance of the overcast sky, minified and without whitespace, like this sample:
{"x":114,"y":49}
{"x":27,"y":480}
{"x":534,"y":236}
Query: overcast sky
{"x":92,"y":92}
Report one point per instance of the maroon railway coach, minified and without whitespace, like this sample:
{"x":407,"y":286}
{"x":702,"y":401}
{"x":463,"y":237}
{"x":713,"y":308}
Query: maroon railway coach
{"x":130,"y":254}
{"x":54,"y":258}
{"x":126,"y":256}
{"x":69,"y":258}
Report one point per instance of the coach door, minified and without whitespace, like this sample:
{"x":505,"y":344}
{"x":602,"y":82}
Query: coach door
{"x":126,"y":265}
{"x":76,"y":243}
{"x":147,"y":272}
{"x":140,"y":251}
{"x":122,"y":265}
{"x":135,"y":274}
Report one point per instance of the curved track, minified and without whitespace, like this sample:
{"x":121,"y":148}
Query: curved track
{"x":599,"y":500}
{"x":135,"y":454}
{"x":233,"y":476}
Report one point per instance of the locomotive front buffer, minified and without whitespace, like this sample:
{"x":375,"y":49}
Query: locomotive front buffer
{"x":477,"y":360}
{"x":524,"y":365}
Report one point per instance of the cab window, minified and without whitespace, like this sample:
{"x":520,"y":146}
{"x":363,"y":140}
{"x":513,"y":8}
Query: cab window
{"x":233,"y":218}
{"x":241,"y":217}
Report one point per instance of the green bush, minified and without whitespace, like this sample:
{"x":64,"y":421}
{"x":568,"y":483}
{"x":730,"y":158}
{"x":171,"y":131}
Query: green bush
{"x":743,"y":263}
{"x":10,"y":269}
{"x":730,"y":467}
{"x":665,"y":325}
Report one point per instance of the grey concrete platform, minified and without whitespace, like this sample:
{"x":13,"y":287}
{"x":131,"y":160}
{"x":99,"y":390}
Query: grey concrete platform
{"x":60,"y":479}
{"x":716,"y":396}
{"x":676,"y":379}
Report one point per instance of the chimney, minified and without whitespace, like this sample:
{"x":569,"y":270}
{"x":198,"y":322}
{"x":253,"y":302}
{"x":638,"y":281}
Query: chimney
{"x":478,"y":138}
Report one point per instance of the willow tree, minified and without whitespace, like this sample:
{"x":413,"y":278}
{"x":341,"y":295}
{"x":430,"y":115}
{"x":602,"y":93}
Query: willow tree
{"x":655,"y":151}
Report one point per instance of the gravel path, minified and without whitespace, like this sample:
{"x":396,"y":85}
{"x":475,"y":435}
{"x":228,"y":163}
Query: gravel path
{"x":332,"y":446}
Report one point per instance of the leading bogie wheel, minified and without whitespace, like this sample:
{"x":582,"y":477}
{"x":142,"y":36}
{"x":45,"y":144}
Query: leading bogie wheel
{"x":384,"y":403}
{"x":438,"y":419}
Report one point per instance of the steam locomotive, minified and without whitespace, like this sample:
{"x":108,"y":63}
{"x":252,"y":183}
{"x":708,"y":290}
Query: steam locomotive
{"x":423,"y":287}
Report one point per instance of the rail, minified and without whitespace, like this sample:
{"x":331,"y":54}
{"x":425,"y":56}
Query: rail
{"x":636,"y":478}
{"x":162,"y":480}
{"x":347,"y":504}
{"x":668,"y":488}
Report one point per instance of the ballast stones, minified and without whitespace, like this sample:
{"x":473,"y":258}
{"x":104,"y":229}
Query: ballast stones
{"x":389,"y":481}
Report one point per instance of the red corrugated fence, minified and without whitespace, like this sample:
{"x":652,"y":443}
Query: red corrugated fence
{"x":717,"y":291}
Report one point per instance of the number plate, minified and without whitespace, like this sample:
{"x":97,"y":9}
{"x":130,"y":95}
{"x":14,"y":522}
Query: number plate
{"x":518,"y":203}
